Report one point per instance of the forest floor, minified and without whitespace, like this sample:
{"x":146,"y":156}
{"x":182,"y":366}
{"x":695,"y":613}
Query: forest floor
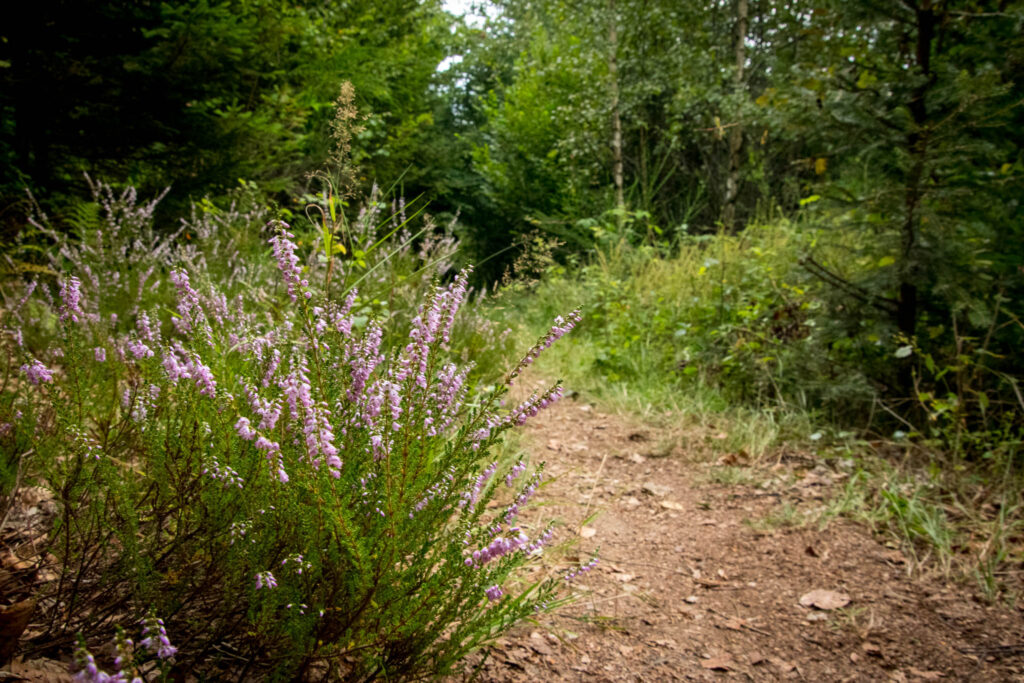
{"x":707,"y":572}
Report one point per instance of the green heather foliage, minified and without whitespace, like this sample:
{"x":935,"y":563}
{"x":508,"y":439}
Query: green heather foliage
{"x":280,"y":476}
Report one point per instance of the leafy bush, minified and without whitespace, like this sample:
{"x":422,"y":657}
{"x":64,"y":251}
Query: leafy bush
{"x":276,"y":474}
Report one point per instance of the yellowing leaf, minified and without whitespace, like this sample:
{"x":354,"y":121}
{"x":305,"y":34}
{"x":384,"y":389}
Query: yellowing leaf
{"x":820,"y":165}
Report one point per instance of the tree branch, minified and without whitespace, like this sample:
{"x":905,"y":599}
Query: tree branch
{"x":819,"y":271}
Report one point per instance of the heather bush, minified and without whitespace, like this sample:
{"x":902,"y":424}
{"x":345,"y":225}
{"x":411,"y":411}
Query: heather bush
{"x":288,"y":482}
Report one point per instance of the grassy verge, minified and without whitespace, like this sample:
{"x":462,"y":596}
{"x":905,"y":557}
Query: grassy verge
{"x":728,"y":343}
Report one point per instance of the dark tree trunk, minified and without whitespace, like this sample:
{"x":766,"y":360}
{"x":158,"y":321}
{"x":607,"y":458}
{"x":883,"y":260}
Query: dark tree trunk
{"x":732,"y":182}
{"x":917,"y":148}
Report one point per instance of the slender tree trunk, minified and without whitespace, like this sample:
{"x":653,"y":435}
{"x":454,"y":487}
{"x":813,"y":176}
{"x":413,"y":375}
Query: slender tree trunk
{"x":917,"y":148}
{"x":613,"y":77}
{"x":732,"y":182}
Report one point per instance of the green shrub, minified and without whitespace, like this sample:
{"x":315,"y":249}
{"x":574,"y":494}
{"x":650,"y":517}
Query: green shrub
{"x":281,"y":477}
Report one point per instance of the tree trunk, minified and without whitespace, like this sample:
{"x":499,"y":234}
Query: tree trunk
{"x":917,"y":148}
{"x":732,"y":182}
{"x":613,"y":77}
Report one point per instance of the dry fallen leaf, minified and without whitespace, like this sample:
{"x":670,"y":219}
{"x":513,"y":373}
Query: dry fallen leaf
{"x":727,"y":459}
{"x":659,"y":490}
{"x":41,"y":671}
{"x":872,"y":649}
{"x":624,"y":578}
{"x":539,"y":645}
{"x":824,"y":599}
{"x":13,"y":622}
{"x":735,"y":624}
{"x":781,"y":664}
{"x":723,"y":663}
{"x":588,"y":532}
{"x":672,"y":505}
{"x":926,"y":675}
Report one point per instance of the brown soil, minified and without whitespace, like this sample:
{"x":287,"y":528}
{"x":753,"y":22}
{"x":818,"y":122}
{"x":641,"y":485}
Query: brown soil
{"x":703,"y":581}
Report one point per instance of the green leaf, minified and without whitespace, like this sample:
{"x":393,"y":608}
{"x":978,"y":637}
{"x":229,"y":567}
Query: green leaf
{"x":904,"y":351}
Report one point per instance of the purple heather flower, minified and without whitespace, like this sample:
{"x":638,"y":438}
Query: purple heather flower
{"x":203,"y":377}
{"x":88,"y":671}
{"x":37,"y":372}
{"x":147,"y":332}
{"x":265,"y":580}
{"x":469,"y":498}
{"x":524,"y":496}
{"x":493,"y":593}
{"x":100,"y":354}
{"x":315,"y":418}
{"x":529,"y":408}
{"x":342,"y":321}
{"x":29,"y":289}
{"x":156,"y":638}
{"x":364,"y":356}
{"x":244,"y":430}
{"x":138,"y":349}
{"x":224,"y":473}
{"x":288,"y":262}
{"x":500,"y":546}
{"x":180,"y":364}
{"x":71,"y":300}
{"x":456,"y":294}
{"x":275,"y":361}
{"x":583,"y":569}
{"x":188,"y":300}
{"x":514,"y":473}
{"x":557,"y":331}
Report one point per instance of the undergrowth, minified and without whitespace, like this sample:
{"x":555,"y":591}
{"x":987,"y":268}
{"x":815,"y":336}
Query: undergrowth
{"x":729,"y":336}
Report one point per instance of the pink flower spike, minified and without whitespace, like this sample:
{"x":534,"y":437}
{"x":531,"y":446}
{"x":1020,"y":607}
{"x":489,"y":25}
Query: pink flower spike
{"x":37,"y":372}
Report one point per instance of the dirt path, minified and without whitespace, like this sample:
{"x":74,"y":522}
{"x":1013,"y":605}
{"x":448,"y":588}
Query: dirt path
{"x":703,"y":581}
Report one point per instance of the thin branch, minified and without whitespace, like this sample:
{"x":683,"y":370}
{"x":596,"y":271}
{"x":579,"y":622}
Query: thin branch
{"x":819,"y":271}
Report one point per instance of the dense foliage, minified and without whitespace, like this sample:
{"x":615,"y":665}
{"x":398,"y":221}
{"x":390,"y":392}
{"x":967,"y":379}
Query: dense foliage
{"x":198,"y":94}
